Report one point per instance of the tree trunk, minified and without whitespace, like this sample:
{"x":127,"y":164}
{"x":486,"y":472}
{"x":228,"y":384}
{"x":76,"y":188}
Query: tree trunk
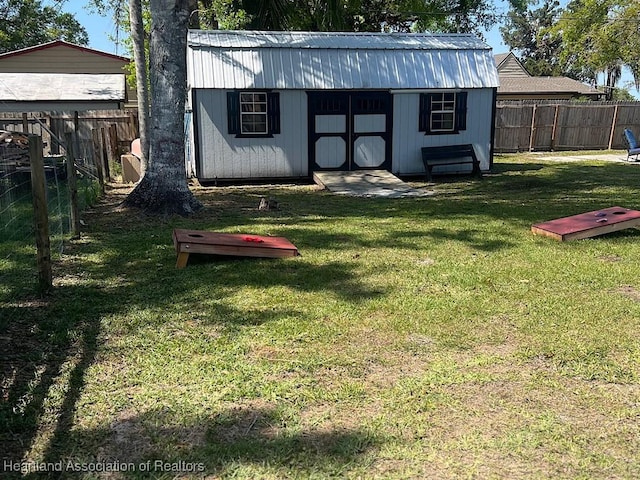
{"x":164,"y":187}
{"x":142,"y":82}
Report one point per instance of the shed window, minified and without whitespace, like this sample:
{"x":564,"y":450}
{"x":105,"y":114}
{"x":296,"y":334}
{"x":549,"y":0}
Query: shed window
{"x":443,"y":112}
{"x":253,"y":114}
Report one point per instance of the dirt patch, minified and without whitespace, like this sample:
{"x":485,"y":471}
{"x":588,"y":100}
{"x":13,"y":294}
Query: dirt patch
{"x":249,"y":419}
{"x":630,"y":292}
{"x":610,"y":258}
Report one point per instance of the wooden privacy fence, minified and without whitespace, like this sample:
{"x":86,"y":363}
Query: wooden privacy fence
{"x":529,"y":126}
{"x":98,"y":136}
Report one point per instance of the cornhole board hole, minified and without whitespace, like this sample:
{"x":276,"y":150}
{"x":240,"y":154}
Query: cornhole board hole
{"x":590,"y":224}
{"x":232,"y":244}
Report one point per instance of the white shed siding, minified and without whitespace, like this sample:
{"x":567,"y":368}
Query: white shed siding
{"x":226,"y":157}
{"x":408,"y":141}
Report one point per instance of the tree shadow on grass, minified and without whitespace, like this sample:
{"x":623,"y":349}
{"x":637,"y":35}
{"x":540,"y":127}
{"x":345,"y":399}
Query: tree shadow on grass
{"x":38,"y":343}
{"x":518,"y":193}
{"x":48,"y":345}
{"x":256,"y":439}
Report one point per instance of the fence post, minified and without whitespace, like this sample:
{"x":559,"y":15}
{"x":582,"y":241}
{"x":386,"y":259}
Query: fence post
{"x":76,"y":135}
{"x":554,"y":129}
{"x":533,"y":128}
{"x":97,"y":158}
{"x":104,"y":150}
{"x":72,"y":183}
{"x":613,"y":126}
{"x":41,"y":214}
{"x":113,"y":138}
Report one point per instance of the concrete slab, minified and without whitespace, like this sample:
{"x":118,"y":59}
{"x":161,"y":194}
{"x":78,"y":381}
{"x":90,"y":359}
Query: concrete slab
{"x":367,"y":183}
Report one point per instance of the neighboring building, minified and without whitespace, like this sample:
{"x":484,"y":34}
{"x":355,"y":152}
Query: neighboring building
{"x":66,"y":92}
{"x":62,"y":61}
{"x":286,"y":104}
{"x":517,"y":84}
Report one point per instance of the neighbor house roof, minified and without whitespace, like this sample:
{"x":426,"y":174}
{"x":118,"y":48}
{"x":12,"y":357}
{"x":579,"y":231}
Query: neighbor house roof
{"x":545,"y":85}
{"x":322,"y":60}
{"x":516,"y":82}
{"x":61,"y":43}
{"x":509,"y":65}
{"x":39,"y":87}
{"x":501,"y":57}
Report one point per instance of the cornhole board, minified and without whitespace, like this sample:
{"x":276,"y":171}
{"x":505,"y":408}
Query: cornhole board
{"x":590,"y":224}
{"x":233,"y":244}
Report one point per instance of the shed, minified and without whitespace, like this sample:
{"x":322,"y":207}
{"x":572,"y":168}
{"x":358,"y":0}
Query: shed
{"x":287,"y":104}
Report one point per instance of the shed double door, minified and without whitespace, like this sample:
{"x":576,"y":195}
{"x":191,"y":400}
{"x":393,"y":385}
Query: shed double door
{"x":350,"y":130}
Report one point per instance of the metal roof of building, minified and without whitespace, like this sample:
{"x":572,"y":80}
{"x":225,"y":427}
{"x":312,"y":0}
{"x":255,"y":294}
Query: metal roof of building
{"x":319,"y":60}
{"x":34,"y":87}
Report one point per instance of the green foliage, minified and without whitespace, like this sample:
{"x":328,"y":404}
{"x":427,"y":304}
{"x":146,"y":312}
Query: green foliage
{"x":586,"y":39}
{"x":622,"y":94}
{"x":348,"y":15}
{"x":26,"y":23}
{"x":600,"y":36}
{"x":222,"y":14}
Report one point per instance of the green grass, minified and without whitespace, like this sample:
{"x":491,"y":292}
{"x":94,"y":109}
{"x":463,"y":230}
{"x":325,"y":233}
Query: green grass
{"x":430,"y":337}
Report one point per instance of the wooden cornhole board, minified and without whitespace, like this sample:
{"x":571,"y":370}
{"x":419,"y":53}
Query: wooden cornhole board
{"x":233,"y":244}
{"x":590,"y":224}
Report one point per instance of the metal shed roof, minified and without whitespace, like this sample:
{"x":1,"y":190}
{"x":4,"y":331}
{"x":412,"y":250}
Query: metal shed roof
{"x":317,"y":60}
{"x":33,"y":87}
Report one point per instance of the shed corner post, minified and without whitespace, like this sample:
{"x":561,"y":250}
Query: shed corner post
{"x":494,"y":116}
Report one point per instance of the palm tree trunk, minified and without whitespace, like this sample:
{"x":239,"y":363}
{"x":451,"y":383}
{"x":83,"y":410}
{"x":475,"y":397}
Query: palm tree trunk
{"x":142,"y":82}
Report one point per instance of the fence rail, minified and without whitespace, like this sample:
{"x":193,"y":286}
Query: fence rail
{"x":542,"y":126}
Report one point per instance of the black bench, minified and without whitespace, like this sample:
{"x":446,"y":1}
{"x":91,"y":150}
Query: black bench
{"x":449,"y":155}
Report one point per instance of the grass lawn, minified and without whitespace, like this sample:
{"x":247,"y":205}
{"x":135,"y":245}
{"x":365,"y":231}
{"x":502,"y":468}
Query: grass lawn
{"x":431,"y":337}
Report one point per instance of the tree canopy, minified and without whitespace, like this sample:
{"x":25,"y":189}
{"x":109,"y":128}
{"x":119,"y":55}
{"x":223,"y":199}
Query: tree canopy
{"x":586,"y":39}
{"x":26,"y":23}
{"x":349,"y":15}
{"x":528,"y":32}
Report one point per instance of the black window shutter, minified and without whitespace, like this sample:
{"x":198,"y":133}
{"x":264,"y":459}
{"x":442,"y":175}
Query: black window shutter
{"x":273,"y":112}
{"x":425,"y":112}
{"x":461,"y":111}
{"x":233,"y":112}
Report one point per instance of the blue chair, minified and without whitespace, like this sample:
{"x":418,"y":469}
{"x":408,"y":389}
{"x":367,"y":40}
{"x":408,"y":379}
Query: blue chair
{"x":634,"y":148}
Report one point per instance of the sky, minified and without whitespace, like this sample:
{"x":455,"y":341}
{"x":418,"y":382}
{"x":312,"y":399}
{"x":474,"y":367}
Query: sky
{"x":102,"y":31}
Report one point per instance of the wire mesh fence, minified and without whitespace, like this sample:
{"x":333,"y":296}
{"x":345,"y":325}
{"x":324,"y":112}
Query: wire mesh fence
{"x":92,"y":151}
{"x":17,"y":227}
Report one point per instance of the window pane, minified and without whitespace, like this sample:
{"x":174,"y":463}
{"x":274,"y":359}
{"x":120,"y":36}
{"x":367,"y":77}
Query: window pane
{"x":442,"y":121}
{"x":443,"y":107}
{"x":254,"y":123}
{"x":253,"y":118}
